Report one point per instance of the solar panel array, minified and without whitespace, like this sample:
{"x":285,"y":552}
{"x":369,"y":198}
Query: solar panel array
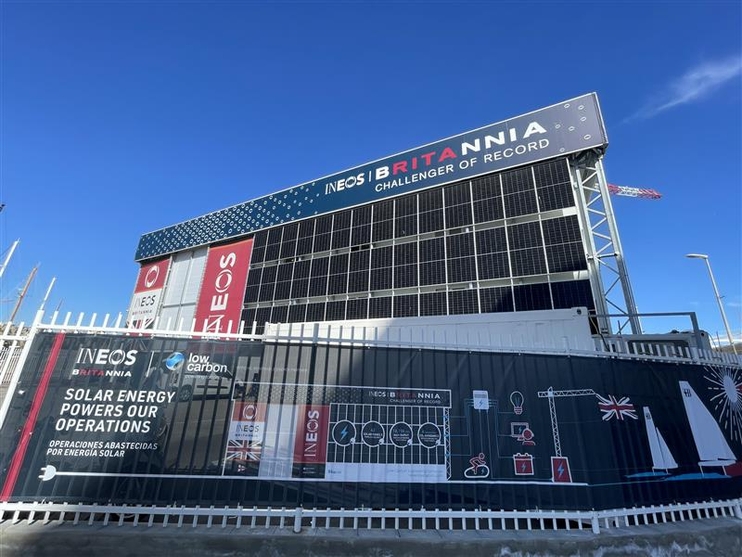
{"x":509,"y":241}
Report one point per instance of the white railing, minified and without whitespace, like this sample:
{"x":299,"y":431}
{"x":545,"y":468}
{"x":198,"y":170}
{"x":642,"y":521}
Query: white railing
{"x":351,"y":335}
{"x":300,"y":518}
{"x":14,"y":338}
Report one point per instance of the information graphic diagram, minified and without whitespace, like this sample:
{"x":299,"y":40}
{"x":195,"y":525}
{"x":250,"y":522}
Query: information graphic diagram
{"x":350,"y":434}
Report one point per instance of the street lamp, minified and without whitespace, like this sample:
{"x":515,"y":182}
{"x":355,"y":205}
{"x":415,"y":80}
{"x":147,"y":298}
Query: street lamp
{"x":718,"y":297}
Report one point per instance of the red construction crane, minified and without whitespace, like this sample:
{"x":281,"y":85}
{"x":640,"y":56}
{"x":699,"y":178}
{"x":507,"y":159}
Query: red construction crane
{"x":627,"y":191}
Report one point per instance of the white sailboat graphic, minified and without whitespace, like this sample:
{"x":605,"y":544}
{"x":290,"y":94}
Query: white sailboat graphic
{"x":713,"y":449}
{"x":662,"y":458}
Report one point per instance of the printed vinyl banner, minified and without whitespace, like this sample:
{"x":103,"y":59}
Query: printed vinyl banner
{"x":147,"y":293}
{"x":223,"y":287}
{"x":568,"y":127}
{"x":150,"y":420}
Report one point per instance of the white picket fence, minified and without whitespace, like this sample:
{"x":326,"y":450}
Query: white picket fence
{"x":300,"y":518}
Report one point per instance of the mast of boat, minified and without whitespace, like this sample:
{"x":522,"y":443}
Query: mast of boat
{"x":46,"y":296}
{"x":23,"y":293}
{"x":7,"y":257}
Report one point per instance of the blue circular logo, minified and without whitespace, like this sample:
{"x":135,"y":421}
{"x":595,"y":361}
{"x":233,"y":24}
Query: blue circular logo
{"x":175,"y":361}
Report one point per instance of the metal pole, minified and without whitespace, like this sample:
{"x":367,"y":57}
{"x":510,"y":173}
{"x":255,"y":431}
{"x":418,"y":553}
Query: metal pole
{"x":721,"y":307}
{"x":718,"y":297}
{"x":23,"y":293}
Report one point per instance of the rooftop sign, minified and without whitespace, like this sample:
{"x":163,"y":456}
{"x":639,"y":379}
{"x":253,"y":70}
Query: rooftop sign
{"x":568,"y":127}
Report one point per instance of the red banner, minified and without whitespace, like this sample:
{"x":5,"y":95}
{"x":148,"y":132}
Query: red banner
{"x":147,"y":293}
{"x":223,"y":288}
{"x":152,"y":276}
{"x":310,"y":445}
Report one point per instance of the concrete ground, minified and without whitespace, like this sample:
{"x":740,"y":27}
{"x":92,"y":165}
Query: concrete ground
{"x":717,"y":537}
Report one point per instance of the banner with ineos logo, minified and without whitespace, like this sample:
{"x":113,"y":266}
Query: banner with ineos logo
{"x":147,"y":294}
{"x":223,"y":287}
{"x":150,"y":419}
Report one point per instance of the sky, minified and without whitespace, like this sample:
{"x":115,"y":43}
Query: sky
{"x":118,"y":118}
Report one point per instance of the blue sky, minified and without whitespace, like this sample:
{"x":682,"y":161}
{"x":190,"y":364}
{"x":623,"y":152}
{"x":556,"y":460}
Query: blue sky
{"x":118,"y":118}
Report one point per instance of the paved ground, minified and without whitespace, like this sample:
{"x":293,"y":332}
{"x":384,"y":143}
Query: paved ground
{"x":717,"y":537}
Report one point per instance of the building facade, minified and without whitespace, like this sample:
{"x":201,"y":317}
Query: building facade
{"x":492,"y":220}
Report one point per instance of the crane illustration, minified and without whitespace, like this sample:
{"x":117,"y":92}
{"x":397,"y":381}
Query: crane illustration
{"x":560,"y":464}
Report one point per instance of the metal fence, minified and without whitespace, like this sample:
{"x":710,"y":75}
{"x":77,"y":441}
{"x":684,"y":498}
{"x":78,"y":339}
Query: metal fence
{"x":298,"y":519}
{"x":15,"y":341}
{"x":336,"y":333}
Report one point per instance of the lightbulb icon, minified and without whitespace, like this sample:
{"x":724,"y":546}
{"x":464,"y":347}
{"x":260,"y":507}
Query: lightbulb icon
{"x":516,"y":399}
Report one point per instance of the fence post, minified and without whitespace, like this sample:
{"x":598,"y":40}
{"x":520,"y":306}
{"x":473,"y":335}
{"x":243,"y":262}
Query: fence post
{"x":297,"y":520}
{"x":595,"y":523}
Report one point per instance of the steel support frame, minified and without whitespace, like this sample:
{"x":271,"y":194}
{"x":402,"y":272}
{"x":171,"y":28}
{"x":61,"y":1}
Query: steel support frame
{"x":609,"y":277}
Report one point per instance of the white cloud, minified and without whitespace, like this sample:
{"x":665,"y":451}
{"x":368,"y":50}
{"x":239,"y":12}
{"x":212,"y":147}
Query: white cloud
{"x":719,"y":338}
{"x":697,"y":83}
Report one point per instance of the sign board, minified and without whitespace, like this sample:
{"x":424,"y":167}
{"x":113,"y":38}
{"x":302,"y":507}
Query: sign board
{"x":147,"y":294}
{"x":568,"y":127}
{"x":153,"y":420}
{"x":223,"y":288}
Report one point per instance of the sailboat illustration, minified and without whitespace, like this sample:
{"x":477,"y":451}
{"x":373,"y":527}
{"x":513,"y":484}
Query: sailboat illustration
{"x":662,"y":459}
{"x":712,"y":447}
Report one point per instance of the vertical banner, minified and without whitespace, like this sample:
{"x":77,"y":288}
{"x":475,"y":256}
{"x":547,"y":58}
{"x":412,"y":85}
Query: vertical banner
{"x":223,"y":288}
{"x":147,"y":294}
{"x":310,"y":447}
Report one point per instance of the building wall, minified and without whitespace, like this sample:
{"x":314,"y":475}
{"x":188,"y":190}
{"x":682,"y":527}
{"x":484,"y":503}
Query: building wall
{"x":507,"y":241}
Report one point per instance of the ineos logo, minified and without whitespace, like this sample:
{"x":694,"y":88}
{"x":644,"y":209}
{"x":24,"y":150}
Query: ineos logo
{"x":151,"y":277}
{"x":249,"y":412}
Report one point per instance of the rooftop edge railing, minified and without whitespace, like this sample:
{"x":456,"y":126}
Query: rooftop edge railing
{"x":13,"y":338}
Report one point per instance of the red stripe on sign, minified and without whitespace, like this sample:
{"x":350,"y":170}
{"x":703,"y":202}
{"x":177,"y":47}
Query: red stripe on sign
{"x":38,"y":400}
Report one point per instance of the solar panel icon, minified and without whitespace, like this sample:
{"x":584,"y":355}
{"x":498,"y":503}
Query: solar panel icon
{"x":481,"y":400}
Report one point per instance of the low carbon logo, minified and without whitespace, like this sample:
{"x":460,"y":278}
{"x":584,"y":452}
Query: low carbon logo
{"x":175,"y":361}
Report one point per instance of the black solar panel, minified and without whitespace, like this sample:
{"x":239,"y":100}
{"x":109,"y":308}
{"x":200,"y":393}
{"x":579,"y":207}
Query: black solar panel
{"x":267,"y":284}
{"x":405,"y":306}
{"x":432,"y":250}
{"x":496,"y":300}
{"x":297,"y":313}
{"x":358,"y":264}
{"x":529,"y":297}
{"x":335,"y":311}
{"x":357,"y":309}
{"x":316,"y":311}
{"x":380,"y":307}
{"x":433,"y":303}
{"x":279,"y":314}
{"x":527,"y":262}
{"x":433,"y":273}
{"x":572,"y":294}
{"x":462,"y":301}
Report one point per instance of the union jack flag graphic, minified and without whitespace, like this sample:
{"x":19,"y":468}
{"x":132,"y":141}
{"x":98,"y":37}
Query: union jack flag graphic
{"x":616,"y":408}
{"x":243,"y":450}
